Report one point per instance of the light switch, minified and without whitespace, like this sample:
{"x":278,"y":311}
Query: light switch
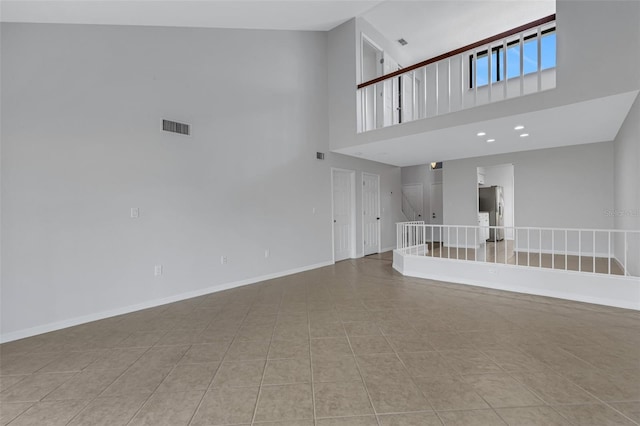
{"x":135,"y":212}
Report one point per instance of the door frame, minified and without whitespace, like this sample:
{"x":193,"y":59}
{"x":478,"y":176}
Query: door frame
{"x":352,"y":184}
{"x":377,"y":213}
{"x":378,"y":115}
{"x":431,"y":206}
{"x":421,"y":185}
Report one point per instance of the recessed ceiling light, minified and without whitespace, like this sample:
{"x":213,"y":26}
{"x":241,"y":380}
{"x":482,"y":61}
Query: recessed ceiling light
{"x":481,"y":133}
{"x":519,"y":127}
{"x":524,"y":135}
{"x":490,"y":140}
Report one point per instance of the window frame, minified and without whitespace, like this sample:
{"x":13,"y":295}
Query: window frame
{"x":498,"y":49}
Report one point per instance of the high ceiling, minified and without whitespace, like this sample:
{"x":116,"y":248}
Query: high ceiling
{"x":435,"y":27}
{"x":310,"y":15}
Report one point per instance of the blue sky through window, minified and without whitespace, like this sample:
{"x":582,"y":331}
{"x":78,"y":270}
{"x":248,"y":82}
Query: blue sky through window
{"x":530,"y":60}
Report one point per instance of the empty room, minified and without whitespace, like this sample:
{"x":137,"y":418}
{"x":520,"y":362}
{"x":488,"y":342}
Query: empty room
{"x":319,"y":213}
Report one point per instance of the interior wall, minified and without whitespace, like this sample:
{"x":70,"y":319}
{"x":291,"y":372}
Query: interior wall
{"x":424,"y":175}
{"x":567,"y":187}
{"x":82,"y":145}
{"x":626,"y":211}
{"x":503,"y":175}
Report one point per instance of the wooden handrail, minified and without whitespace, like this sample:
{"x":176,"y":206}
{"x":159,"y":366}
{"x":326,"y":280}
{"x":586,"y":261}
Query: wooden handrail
{"x":463,"y":49}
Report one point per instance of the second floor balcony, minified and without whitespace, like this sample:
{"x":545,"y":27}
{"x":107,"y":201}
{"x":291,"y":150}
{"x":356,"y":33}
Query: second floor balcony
{"x":514,"y":63}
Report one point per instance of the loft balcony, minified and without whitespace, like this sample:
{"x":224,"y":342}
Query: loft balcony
{"x":511,"y":64}
{"x":564,"y":82}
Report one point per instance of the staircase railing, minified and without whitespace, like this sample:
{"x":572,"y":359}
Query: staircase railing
{"x":408,"y":210}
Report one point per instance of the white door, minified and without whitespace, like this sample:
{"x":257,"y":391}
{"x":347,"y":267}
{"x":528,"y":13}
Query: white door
{"x":407,"y":98}
{"x":343,"y":226}
{"x":412,"y":201}
{"x":435,"y":204}
{"x":372,"y":67}
{"x":391,"y":91}
{"x":371,"y":213}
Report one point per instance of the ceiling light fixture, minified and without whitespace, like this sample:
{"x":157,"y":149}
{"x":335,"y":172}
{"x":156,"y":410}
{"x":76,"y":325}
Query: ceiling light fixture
{"x":518,"y":127}
{"x":524,"y":135}
{"x":490,"y":140}
{"x":481,"y":133}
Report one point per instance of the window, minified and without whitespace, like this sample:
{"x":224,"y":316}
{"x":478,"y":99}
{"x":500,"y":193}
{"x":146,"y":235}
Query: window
{"x":529,"y":62}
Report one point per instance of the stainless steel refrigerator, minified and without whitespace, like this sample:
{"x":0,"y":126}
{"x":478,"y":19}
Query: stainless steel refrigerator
{"x":492,"y":201}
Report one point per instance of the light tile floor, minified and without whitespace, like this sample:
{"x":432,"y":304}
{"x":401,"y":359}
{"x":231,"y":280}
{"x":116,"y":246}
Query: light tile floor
{"x":352,"y":344}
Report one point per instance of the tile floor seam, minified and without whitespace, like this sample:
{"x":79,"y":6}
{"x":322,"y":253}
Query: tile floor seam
{"x":552,"y":406}
{"x":264,"y":371}
{"x":416,"y":385}
{"x":364,"y":383}
{"x":313,"y":386}
{"x":199,"y":405}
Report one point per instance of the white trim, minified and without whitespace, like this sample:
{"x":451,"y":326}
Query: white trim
{"x":364,"y":253}
{"x":601,"y":289}
{"x":58,"y":325}
{"x":386,"y":249}
{"x":354,"y":250}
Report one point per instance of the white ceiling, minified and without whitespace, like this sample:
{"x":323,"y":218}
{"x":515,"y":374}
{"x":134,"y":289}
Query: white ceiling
{"x":592,"y":121}
{"x":421,"y":23}
{"x":309,"y":15}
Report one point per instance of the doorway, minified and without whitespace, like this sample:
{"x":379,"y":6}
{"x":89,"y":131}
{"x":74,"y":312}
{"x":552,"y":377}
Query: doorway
{"x":370,"y":213}
{"x":412,"y":201}
{"x":372,"y":66}
{"x":435,"y":204}
{"x":343,"y":208}
{"x":496,"y":207}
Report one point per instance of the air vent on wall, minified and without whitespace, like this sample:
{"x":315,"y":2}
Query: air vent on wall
{"x":320,"y":155}
{"x":175,"y":127}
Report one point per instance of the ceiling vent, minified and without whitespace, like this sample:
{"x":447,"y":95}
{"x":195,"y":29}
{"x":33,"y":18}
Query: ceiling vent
{"x":402,"y":42}
{"x":175,"y":127}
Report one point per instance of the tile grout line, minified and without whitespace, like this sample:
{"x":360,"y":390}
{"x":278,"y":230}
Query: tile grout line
{"x":106,"y":387}
{"x":313,"y":386}
{"x":266,"y":362}
{"x":364,"y":383}
{"x":193,"y":415}
{"x":395,"y":352}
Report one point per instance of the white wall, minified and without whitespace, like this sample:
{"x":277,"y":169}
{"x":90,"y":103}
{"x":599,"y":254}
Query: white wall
{"x":424,"y":175}
{"x":81,"y":145}
{"x":567,"y":187}
{"x":626,"y":211}
{"x":502,"y":175}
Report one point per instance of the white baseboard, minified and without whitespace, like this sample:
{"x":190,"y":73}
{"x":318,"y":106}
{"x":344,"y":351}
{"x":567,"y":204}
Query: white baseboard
{"x":58,"y":325}
{"x":386,"y":249}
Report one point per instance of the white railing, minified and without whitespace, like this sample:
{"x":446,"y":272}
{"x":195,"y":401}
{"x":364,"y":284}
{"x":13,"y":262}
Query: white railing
{"x":595,"y":251}
{"x":464,"y":78}
{"x":409,"y":237}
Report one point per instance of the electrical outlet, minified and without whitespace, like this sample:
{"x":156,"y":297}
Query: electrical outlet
{"x":267,"y":253}
{"x":224,"y":260}
{"x":135,"y":212}
{"x":157,"y":270}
